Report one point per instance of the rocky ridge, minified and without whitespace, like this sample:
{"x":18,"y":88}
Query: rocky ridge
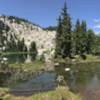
{"x":44,"y":39}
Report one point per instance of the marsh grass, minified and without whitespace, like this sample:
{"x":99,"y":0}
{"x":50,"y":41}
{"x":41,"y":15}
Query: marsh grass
{"x":60,"y":93}
{"x":35,"y":66}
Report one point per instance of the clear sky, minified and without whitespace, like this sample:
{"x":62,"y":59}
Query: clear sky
{"x":46,"y":12}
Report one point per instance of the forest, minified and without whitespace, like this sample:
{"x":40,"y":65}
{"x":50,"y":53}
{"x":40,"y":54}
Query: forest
{"x":77,"y":40}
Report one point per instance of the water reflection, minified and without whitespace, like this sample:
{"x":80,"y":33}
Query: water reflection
{"x":3,"y":79}
{"x":72,"y":80}
{"x":44,"y":82}
{"x":26,"y":82}
{"x":19,"y":58}
{"x":82,"y":78}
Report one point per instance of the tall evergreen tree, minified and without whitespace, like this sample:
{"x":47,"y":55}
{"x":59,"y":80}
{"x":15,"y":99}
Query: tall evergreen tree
{"x":63,"y":37}
{"x":90,"y":41}
{"x":66,"y":30}
{"x":80,"y":37}
{"x":77,"y":36}
{"x":84,"y":26}
{"x":58,"y":39}
{"x":83,"y":39}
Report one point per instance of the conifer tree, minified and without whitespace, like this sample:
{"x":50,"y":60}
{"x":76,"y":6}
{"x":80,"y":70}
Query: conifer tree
{"x":33,"y":50}
{"x":90,"y":41}
{"x":83,"y":39}
{"x":77,"y":36}
{"x":63,"y":37}
{"x":80,"y":37}
{"x":66,"y":30}
{"x":58,"y":38}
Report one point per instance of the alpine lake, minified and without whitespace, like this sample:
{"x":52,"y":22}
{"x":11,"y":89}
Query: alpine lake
{"x":82,"y":78}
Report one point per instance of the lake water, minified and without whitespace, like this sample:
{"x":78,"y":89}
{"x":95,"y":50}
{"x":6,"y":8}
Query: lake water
{"x":45,"y":81}
{"x":19,"y":58}
{"x":83,"y":79}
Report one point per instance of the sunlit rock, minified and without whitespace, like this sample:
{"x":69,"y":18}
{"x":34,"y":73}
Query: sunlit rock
{"x":67,"y":69}
{"x":5,"y":59}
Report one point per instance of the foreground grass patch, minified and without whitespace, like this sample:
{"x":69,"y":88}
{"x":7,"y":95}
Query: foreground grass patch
{"x":60,"y":93}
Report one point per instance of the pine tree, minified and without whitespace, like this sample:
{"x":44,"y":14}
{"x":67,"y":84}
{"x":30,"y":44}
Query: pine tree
{"x":66,"y":30}
{"x":77,"y":36}
{"x":80,"y":33}
{"x":83,"y":39}
{"x":11,"y":44}
{"x":21,"y":45}
{"x":3,"y":33}
{"x":97,"y":44}
{"x":58,"y":39}
{"x":90,"y":41}
{"x":33,"y":50}
{"x":63,"y":37}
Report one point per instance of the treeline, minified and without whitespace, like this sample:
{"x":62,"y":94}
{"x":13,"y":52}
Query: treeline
{"x":74,"y":41}
{"x":15,"y":45}
{"x":51,"y":28}
{"x":18,"y":20}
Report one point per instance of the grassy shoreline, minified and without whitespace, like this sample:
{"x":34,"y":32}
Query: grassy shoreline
{"x":59,"y":93}
{"x":36,"y":65}
{"x":79,"y":60}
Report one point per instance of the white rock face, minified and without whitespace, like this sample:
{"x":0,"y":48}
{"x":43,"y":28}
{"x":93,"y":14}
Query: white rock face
{"x":45,"y":40}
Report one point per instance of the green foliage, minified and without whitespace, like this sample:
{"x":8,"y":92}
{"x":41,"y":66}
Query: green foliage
{"x":51,"y":28}
{"x":80,"y":37}
{"x":33,"y":50}
{"x":16,"y":19}
{"x":16,"y":45}
{"x":3,"y":33}
{"x":63,"y":37}
{"x":42,"y":58}
{"x":90,"y":41}
{"x":97,"y":45}
{"x":84,"y":39}
{"x":21,"y":47}
{"x":11,"y":44}
{"x":59,"y":39}
{"x":80,"y":41}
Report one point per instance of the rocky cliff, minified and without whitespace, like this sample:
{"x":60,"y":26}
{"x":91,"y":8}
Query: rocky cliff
{"x":44,"y":39}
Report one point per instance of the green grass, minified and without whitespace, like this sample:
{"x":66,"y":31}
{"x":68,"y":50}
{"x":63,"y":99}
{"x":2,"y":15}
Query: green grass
{"x":36,"y":65}
{"x":14,"y":53}
{"x":89,"y":58}
{"x":60,"y":93}
{"x":78,"y":59}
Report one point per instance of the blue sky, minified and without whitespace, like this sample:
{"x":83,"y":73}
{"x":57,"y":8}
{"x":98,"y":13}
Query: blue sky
{"x":46,"y":12}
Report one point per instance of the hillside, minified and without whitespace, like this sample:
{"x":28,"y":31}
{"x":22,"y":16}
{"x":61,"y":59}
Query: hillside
{"x":44,"y":39}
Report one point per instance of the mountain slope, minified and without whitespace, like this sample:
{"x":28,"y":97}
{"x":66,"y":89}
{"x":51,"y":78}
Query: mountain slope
{"x":44,"y":39}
